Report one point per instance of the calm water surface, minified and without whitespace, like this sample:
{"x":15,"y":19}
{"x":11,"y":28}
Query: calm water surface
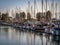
{"x":11,"y":36}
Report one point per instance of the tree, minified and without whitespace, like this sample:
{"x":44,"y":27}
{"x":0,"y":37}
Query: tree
{"x":22,"y":15}
{"x":17,"y":16}
{"x":0,"y":15}
{"x":4,"y":17}
{"x":48,"y":15}
{"x":38,"y":16}
{"x":28,"y":16}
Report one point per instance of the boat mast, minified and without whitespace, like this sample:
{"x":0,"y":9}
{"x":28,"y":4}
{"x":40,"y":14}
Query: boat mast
{"x":56,"y":11}
{"x":42,"y":8}
{"x":46,"y":5}
{"x":59,"y":13}
{"x":52,"y":8}
{"x":34,"y":7}
{"x":46,"y":8}
{"x":29,"y":6}
{"x":19,"y":9}
{"x":7,"y":11}
{"x":31,"y":9}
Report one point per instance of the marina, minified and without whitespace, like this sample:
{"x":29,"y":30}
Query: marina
{"x":27,"y":26}
{"x":29,"y":22}
{"x":50,"y":28}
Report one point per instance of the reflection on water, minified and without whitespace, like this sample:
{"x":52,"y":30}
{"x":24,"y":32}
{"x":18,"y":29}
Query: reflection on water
{"x":11,"y":36}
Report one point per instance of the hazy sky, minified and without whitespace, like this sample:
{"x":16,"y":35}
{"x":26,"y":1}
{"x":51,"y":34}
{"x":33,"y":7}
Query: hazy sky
{"x":4,"y":4}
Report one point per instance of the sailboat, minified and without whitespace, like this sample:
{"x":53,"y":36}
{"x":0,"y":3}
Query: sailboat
{"x":56,"y":30}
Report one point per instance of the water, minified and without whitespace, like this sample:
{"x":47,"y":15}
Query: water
{"x":11,"y":36}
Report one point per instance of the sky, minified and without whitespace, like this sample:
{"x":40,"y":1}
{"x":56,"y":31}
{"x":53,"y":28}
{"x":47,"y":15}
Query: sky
{"x":4,"y":4}
{"x":23,"y":4}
